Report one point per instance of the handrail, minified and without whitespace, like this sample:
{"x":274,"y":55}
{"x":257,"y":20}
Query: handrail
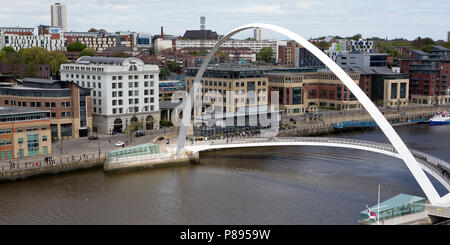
{"x":433,"y":163}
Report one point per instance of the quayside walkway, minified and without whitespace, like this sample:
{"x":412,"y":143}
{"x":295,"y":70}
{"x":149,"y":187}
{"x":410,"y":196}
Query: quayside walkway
{"x":436,"y":167}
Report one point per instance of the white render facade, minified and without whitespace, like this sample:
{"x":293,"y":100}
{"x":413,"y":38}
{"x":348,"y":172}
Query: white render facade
{"x":18,"y":42}
{"x":124,"y":90}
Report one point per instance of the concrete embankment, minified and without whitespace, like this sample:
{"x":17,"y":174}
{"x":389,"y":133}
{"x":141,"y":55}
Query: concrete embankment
{"x":149,"y":161}
{"x":51,"y":169}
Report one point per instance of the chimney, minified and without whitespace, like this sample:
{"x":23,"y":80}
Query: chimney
{"x":162,"y":32}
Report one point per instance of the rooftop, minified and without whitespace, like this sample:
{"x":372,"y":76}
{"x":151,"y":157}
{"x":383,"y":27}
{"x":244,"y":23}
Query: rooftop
{"x":200,"y":34}
{"x":397,"y":201}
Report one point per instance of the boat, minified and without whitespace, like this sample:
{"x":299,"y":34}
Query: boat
{"x":441,"y":118}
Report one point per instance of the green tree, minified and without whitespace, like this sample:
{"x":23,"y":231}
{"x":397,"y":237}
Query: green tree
{"x":427,"y":41}
{"x":173,"y":66}
{"x":164,"y":73}
{"x":427,"y":48}
{"x":355,"y":37}
{"x":56,"y":59}
{"x":8,"y":49}
{"x":265,"y":54}
{"x":87,"y":52}
{"x":76,"y":47}
{"x":133,"y":127}
{"x":323,"y":45}
{"x":446,"y":45}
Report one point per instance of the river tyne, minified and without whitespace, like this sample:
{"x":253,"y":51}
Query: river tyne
{"x":270,"y":185}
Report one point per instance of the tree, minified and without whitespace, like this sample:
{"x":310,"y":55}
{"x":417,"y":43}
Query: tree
{"x":446,"y":45}
{"x":87,"y":52}
{"x":355,"y":37}
{"x":164,"y":73}
{"x":323,"y":45}
{"x":8,"y":49}
{"x":173,"y":66}
{"x":427,"y":48}
{"x":37,"y":55}
{"x":266,"y":54}
{"x":427,"y":41}
{"x":133,"y":127}
{"x":76,"y":47}
{"x":56,"y":59}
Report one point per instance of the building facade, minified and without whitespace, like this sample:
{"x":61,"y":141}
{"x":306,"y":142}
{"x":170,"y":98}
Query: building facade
{"x":254,"y":45}
{"x":59,"y":15}
{"x":69,"y":107}
{"x":24,"y":132}
{"x":354,"y":59}
{"x":428,"y":74}
{"x":124,"y":90}
{"x":299,"y":91}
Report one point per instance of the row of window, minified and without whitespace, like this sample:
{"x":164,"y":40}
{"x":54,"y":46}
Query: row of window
{"x":36,"y":103}
{"x":20,"y":129}
{"x":83,"y":68}
{"x":88,"y":84}
{"x":130,"y":77}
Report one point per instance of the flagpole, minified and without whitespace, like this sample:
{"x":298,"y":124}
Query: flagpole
{"x":378,"y":213}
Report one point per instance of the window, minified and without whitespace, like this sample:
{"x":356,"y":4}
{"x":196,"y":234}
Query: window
{"x":44,"y":127}
{"x":8,"y":141}
{"x":20,"y":141}
{"x":35,"y":128}
{"x":19,"y":130}
{"x":8,"y":130}
{"x":44,"y":138}
{"x":44,"y":150}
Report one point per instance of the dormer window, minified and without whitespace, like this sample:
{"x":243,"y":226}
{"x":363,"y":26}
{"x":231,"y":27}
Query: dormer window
{"x":133,"y":68}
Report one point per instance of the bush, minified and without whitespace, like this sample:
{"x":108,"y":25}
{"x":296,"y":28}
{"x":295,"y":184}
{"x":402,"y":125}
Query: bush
{"x":165,"y":123}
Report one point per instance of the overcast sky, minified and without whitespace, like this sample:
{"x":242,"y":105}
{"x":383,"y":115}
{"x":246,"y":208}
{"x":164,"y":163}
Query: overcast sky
{"x":309,"y":18}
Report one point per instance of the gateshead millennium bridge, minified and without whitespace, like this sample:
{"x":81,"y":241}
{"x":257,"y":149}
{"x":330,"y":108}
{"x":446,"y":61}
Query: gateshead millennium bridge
{"x":400,"y":148}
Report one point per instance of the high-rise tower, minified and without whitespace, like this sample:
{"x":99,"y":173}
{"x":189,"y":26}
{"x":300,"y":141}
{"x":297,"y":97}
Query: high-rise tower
{"x":59,"y":16}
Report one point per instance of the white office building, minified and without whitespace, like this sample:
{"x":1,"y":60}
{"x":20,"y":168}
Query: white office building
{"x":124,"y":90}
{"x":59,"y":15}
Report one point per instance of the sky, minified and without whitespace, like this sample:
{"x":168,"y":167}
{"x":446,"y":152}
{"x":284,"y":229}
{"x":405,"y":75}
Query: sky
{"x":308,"y":18}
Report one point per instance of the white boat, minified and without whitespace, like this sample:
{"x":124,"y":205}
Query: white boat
{"x":441,"y":118}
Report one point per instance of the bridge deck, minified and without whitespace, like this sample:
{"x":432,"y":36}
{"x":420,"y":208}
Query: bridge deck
{"x":436,"y":167}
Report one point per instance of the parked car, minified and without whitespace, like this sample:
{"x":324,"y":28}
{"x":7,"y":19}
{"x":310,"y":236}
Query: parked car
{"x":120,"y":143}
{"x":161,"y":138}
{"x":92,"y":137}
{"x":168,"y":141}
{"x":140,"y":133}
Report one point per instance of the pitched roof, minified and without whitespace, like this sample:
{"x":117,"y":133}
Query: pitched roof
{"x":201,"y":34}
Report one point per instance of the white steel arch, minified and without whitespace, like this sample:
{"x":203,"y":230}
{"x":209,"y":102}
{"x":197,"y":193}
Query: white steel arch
{"x":384,"y":125}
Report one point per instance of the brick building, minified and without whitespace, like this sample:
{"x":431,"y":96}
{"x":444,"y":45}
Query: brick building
{"x":24,"y":132}
{"x":69,"y":107}
{"x":428,"y":74}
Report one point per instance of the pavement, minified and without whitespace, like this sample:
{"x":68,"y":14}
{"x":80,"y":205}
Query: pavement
{"x":83,"y":147}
